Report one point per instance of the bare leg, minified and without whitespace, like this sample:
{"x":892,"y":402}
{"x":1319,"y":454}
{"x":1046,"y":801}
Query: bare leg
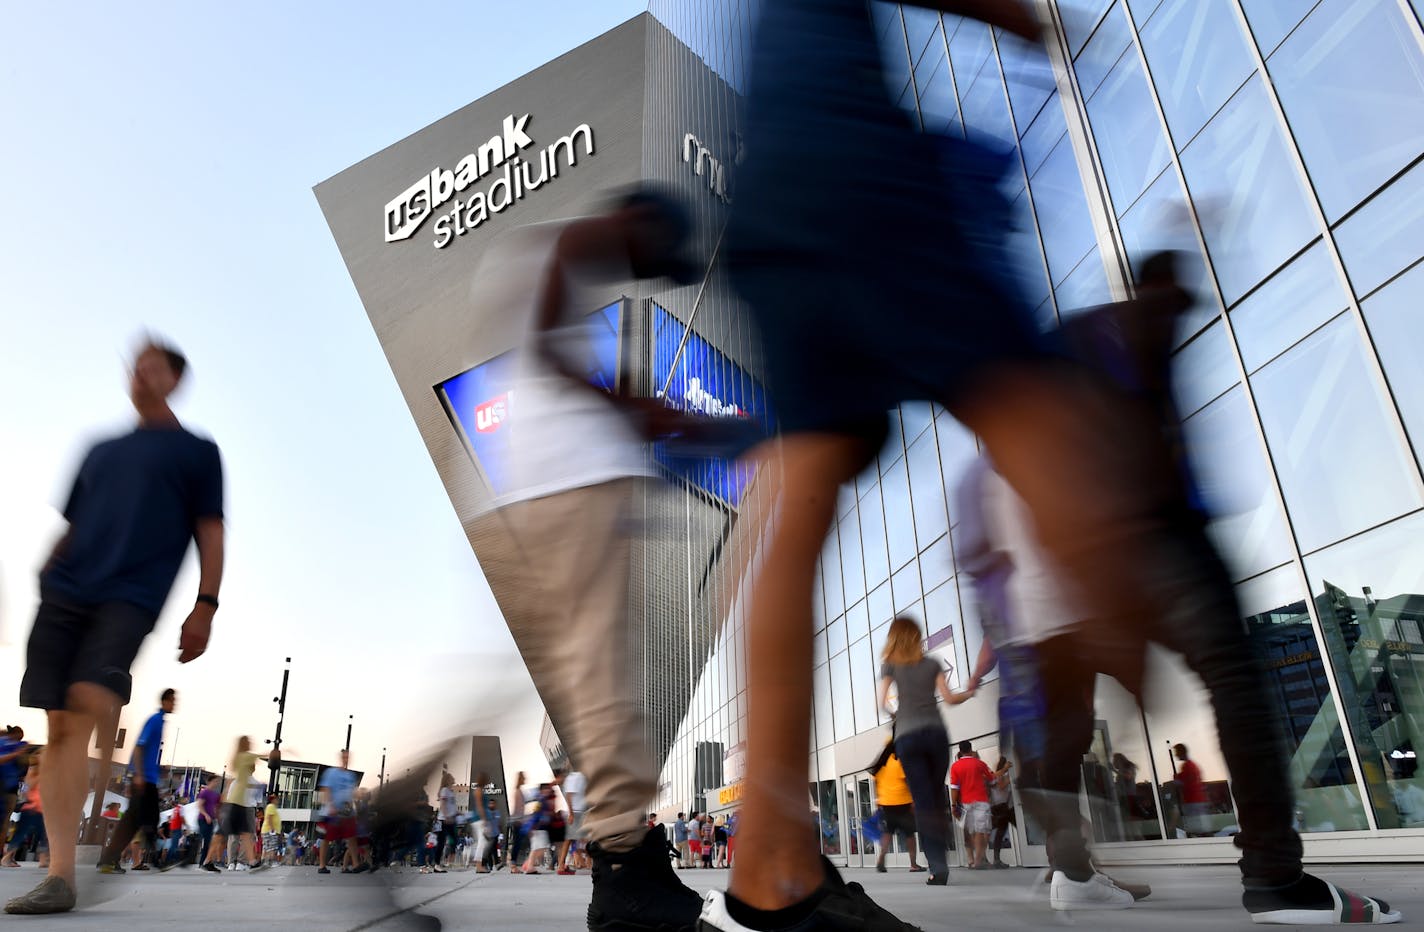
{"x":67,"y":770}
{"x":780,"y":865}
{"x":910,"y":847}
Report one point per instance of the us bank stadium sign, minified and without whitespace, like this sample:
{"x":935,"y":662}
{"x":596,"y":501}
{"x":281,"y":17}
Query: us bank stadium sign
{"x":502,"y":171}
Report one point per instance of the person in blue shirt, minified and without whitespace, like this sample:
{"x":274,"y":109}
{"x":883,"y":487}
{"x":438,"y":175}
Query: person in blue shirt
{"x":338,"y":787}
{"x":137,"y":502}
{"x":142,"y":814}
{"x":12,"y":748}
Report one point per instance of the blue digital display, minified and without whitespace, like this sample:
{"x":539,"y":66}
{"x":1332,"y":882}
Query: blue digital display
{"x":481,"y":400}
{"x":706,"y":383}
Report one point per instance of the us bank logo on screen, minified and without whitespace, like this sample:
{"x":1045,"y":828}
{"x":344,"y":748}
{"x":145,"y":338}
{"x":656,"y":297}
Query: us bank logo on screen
{"x":506,"y":169}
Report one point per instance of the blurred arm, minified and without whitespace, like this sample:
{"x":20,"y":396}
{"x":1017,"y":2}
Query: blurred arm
{"x":942,"y":687}
{"x":1010,"y":15}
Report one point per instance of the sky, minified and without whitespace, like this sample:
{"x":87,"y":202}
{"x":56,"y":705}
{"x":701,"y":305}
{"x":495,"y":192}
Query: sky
{"x":157,"y":176}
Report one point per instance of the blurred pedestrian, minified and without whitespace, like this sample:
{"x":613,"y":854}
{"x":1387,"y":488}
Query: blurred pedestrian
{"x":558,"y":543}
{"x":141,"y":817}
{"x":31,"y":826}
{"x":236,"y":825}
{"x":137,"y":502}
{"x":896,"y":807}
{"x":1001,"y":809}
{"x":12,"y":749}
{"x":969,"y":781}
{"x":337,"y":792}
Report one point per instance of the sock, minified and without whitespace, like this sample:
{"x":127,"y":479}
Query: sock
{"x":770,"y":919}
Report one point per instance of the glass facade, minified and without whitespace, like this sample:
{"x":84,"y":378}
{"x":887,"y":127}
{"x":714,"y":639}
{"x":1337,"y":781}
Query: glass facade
{"x":1280,"y":146}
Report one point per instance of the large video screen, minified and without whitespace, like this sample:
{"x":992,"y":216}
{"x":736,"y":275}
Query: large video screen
{"x":481,"y":403}
{"x":704,"y":382}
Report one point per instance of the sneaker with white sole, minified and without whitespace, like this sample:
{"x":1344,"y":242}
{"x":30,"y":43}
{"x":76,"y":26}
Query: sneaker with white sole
{"x":1310,"y":901}
{"x":1097,"y":892}
{"x":843,"y":907}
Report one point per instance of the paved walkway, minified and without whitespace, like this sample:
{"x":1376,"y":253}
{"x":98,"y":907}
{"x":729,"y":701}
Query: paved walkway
{"x":298,"y":898}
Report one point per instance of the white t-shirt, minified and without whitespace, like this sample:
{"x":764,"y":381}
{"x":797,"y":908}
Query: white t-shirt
{"x":447,"y":803}
{"x":1041,"y":603}
{"x":575,"y":785}
{"x":562,"y":436}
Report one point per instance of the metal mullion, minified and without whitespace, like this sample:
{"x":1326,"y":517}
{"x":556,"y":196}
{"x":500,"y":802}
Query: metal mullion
{"x":1080,"y":134}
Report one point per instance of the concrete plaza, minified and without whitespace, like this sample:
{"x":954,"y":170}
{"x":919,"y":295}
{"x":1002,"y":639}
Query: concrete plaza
{"x":299,"y":898}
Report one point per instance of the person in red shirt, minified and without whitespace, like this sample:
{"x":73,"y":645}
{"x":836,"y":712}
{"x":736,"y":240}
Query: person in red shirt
{"x":969,"y":781}
{"x":1193,"y":793}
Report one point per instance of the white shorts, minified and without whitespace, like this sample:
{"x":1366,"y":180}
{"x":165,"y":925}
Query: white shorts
{"x":978,"y":819}
{"x":538,"y":839}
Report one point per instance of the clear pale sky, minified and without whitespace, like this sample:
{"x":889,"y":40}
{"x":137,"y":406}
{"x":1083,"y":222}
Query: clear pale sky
{"x":157,"y":174}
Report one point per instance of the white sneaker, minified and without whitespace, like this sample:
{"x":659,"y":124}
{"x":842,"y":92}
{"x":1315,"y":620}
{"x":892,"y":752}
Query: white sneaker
{"x":240,"y":867}
{"x":1097,"y":892}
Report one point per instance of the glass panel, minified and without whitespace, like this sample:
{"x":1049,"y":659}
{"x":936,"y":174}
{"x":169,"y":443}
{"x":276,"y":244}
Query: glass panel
{"x":894,"y":57}
{"x":829,"y":816}
{"x":825,"y":733}
{"x":957,"y":450}
{"x":1116,"y":777}
{"x":936,"y":564}
{"x":1296,"y":300}
{"x":864,"y":671}
{"x":1025,"y":252}
{"x":1236,"y":485}
{"x":985,"y":109}
{"x":1079,"y":19}
{"x":899,"y":519}
{"x":1341,"y":467}
{"x":1178,"y":711}
{"x":1351,"y":81}
{"x":915,"y":418}
{"x":1086,"y":286}
{"x":1198,"y":58}
{"x":1271,"y":19}
{"x":1369,"y":593}
{"x":1240,"y":165}
{"x":831,"y":574}
{"x":1393,"y":316}
{"x":1142,"y":10}
{"x":1203,"y":370}
{"x":1062,"y":206}
{"x":938,"y":105}
{"x":1386,"y":235}
{"x":1102,"y":51}
{"x":905,"y":586}
{"x":920,"y":27}
{"x":970,"y":49}
{"x":857,"y":621}
{"x":1161,"y":220}
{"x":1028,"y":74}
{"x":1128,"y":133}
{"x":852,"y":567}
{"x":1043,"y":134}
{"x":843,"y":702}
{"x":836,"y":636}
{"x":1327,"y":794}
{"x":872,"y":538}
{"x":927,"y":491}
{"x":941,"y":624}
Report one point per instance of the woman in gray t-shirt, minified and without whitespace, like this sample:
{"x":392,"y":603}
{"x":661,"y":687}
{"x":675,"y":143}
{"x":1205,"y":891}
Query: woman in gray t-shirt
{"x":921,"y":740}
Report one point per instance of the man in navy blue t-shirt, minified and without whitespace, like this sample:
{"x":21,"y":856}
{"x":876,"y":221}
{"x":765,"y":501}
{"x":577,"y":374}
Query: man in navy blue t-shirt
{"x":136,"y":503}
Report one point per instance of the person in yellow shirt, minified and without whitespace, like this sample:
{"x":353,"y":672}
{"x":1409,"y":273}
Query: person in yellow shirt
{"x":271,"y":830}
{"x":892,"y":795}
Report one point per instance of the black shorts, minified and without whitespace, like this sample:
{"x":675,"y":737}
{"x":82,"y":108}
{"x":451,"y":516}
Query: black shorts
{"x":235,"y":820}
{"x":899,"y":819}
{"x":557,"y":835}
{"x":72,"y":643}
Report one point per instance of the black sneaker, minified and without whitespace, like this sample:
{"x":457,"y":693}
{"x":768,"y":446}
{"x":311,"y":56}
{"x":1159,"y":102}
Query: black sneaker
{"x":212,"y":868}
{"x":323,"y":870}
{"x":843,"y":907}
{"x":139,"y":867}
{"x":1310,"y":901}
{"x":638,"y":890}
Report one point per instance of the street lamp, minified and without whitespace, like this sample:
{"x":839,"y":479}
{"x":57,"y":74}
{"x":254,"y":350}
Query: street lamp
{"x":349,"y":720}
{"x":381,"y":781}
{"x":274,"y":760}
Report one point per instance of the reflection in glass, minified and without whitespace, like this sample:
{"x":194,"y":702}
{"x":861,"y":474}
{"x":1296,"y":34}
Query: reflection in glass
{"x":1255,"y":215}
{"x":1293,"y":302}
{"x":1351,"y":81}
{"x":1080,"y":18}
{"x":938,"y":105}
{"x":1203,"y":370}
{"x":1086,"y":286}
{"x":1385,"y":235}
{"x":1369,"y":593}
{"x":1161,"y":220}
{"x":1122,"y":805}
{"x":1327,"y":422}
{"x":1043,"y":134}
{"x":1028,"y":74}
{"x":1393,"y":316}
{"x":827,"y":809}
{"x":1198,"y":58}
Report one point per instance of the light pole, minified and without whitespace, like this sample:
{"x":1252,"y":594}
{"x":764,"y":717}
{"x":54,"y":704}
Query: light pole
{"x":381,"y":781}
{"x":274,"y":760}
{"x":349,"y":720}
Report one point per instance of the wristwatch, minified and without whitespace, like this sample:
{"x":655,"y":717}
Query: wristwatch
{"x":208,"y":599}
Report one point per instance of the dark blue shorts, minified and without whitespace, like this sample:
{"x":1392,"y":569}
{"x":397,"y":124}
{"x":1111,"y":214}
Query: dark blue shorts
{"x":72,"y":643}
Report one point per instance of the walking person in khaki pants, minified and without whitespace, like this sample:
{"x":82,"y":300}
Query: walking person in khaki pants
{"x":556,"y":548}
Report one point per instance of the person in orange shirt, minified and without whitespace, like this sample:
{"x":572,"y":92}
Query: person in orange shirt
{"x":897,"y":810}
